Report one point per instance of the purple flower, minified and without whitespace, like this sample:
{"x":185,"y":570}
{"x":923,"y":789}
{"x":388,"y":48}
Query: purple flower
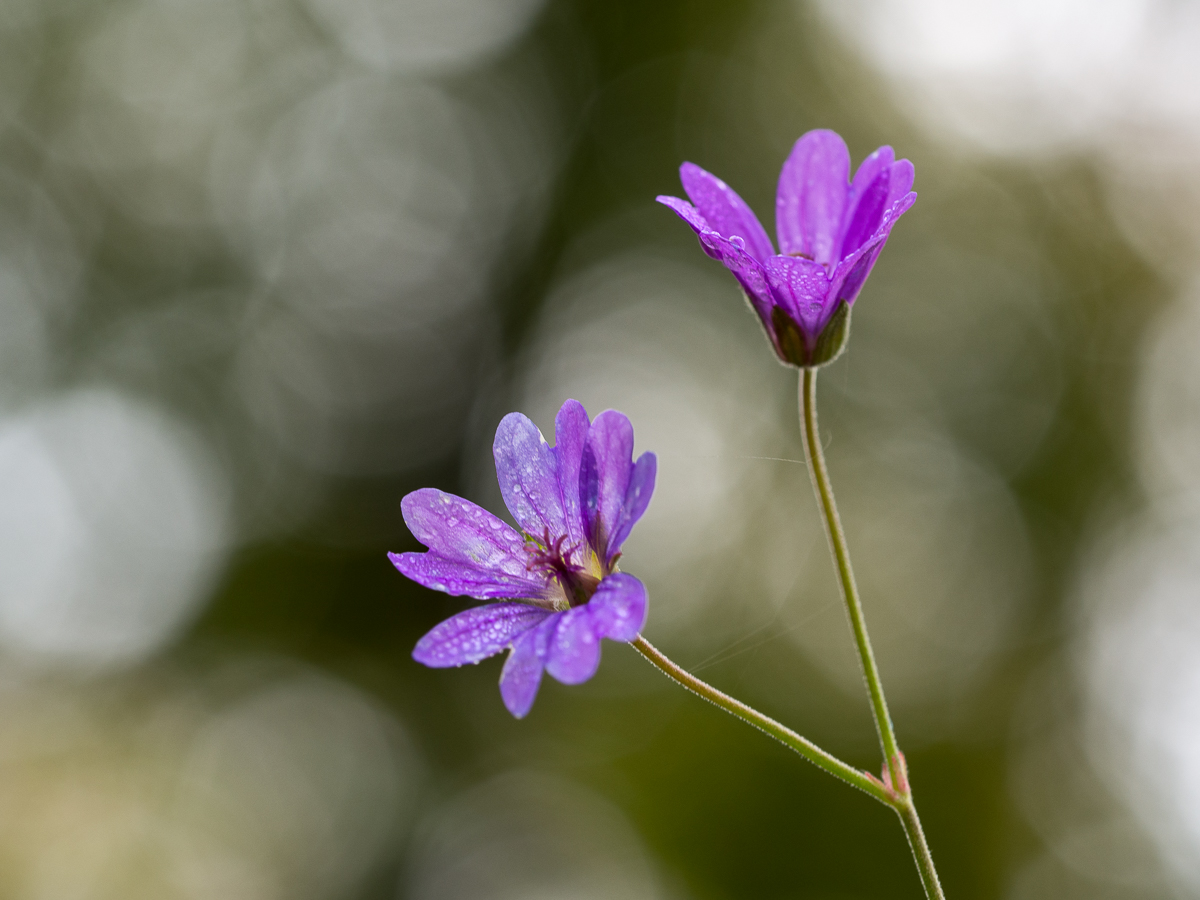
{"x":830,"y":230}
{"x":575,"y":502}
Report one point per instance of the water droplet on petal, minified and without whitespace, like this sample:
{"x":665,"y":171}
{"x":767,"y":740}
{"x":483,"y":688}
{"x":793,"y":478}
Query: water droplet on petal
{"x":738,"y":242}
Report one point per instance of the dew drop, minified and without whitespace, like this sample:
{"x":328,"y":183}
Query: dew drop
{"x":738,"y":242}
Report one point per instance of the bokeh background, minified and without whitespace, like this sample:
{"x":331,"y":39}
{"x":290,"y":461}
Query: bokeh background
{"x":268,"y":265}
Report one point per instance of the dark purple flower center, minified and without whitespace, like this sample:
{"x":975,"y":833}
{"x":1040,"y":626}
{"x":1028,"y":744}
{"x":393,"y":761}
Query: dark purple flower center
{"x":551,"y":559}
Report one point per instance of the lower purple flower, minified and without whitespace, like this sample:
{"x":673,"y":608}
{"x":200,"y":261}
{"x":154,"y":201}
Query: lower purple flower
{"x":576,"y":503}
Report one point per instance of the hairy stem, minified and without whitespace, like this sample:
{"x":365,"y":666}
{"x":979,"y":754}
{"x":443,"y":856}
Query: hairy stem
{"x":784,"y":735}
{"x":896,"y":767}
{"x":841,"y":555}
{"x":920,"y":848}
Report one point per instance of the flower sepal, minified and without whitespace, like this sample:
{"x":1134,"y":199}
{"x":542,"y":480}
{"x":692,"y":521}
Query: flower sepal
{"x":794,"y":350}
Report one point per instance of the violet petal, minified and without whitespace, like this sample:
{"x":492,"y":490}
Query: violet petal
{"x":573,"y":654}
{"x":866,"y":201}
{"x":570,"y":437}
{"x":900,"y":182}
{"x":476,"y":634}
{"x":811,"y":198}
{"x":522,"y":673}
{"x":528,"y":474}
{"x":685,"y":211}
{"x":461,"y":579}
{"x":459,"y":531}
{"x":801,"y":288}
{"x":851,"y":272}
{"x":618,"y":607}
{"x":637,"y":498}
{"x":889,"y":186}
{"x":607,"y":462}
{"x":745,"y":268}
{"x":725,"y":212}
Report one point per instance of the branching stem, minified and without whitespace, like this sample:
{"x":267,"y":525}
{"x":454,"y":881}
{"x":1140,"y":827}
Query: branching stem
{"x":781,"y":733}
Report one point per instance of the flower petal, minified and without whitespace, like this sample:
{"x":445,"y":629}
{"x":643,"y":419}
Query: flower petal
{"x":619,"y":607}
{"x":607,"y":465}
{"x":725,"y":212}
{"x":476,"y":634}
{"x":851,"y":273}
{"x":570,"y":437}
{"x":685,"y":211}
{"x":637,"y":498}
{"x":460,"y":579}
{"x":866,"y":200}
{"x":522,"y":673}
{"x":573,"y":653}
{"x":745,"y":268}
{"x":528,"y":474}
{"x":811,"y":197}
{"x":471,"y":551}
{"x":870,"y":199}
{"x":801,"y":288}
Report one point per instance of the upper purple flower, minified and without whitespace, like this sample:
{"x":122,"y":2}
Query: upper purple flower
{"x":575,"y":502}
{"x":830,"y":230}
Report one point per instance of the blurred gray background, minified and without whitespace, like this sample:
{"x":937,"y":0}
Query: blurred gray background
{"x":268,"y":265}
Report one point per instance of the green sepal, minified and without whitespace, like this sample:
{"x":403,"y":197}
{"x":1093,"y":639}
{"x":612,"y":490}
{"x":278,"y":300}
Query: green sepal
{"x":830,"y":343}
{"x":833,"y":337}
{"x":789,"y":342}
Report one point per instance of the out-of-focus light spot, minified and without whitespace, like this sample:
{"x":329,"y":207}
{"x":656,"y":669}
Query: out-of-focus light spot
{"x":252,"y":782}
{"x":113,"y":521}
{"x":1136,"y":599}
{"x":529,"y":836}
{"x":24,"y":354}
{"x":1141,"y":664}
{"x":942,"y":562}
{"x":361,"y":195}
{"x":1168,"y":407}
{"x":305,"y":780}
{"x":974,"y":351}
{"x":40,"y":272}
{"x":424,"y":34}
{"x":1031,"y":76}
{"x":155,"y":83}
{"x":374,"y":215}
{"x":20,"y":53}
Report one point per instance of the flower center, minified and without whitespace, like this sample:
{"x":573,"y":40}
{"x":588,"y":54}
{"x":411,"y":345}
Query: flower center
{"x":554,"y":561}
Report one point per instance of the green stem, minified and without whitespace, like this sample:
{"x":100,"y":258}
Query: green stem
{"x":896,"y":767}
{"x":841,"y":553}
{"x":920,"y":848}
{"x":784,"y":735}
